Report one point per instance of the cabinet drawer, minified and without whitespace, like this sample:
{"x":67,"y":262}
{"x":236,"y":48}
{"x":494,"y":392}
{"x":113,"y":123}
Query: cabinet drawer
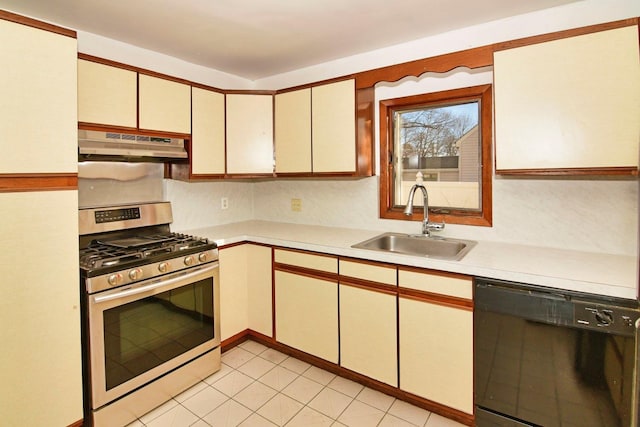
{"x":451,"y":285}
{"x":328,"y":264}
{"x":372,"y":272}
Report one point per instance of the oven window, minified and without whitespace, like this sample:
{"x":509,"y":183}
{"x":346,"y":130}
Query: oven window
{"x":146,"y":333}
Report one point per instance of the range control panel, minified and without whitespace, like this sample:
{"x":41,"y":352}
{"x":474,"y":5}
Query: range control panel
{"x":617,"y":320}
{"x":112,"y":215}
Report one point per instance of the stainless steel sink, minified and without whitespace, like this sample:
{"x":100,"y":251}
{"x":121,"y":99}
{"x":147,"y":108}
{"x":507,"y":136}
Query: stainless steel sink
{"x":418,"y":245}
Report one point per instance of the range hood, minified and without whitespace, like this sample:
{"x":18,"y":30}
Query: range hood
{"x":114,"y":146}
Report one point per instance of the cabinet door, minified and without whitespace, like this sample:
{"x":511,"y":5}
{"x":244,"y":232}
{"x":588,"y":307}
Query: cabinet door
{"x":38,"y":111}
{"x":249,"y":134}
{"x":165,"y":105}
{"x":40,"y":309}
{"x":307,"y":314}
{"x":334,"y":127}
{"x":259,"y":288}
{"x":234,"y":298}
{"x":107,"y":95}
{"x":207,"y":134}
{"x":436,"y":352}
{"x":569,"y":103}
{"x":293,"y":131}
{"x":368,"y":340}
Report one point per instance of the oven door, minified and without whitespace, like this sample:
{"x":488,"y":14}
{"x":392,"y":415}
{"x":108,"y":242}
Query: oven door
{"x":142,"y":331}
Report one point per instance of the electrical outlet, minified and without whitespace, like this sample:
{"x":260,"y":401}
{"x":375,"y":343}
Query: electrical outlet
{"x":296,"y":205}
{"x":224,"y":203}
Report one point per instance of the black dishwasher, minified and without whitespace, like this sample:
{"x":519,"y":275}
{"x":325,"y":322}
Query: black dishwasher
{"x":546,"y":357}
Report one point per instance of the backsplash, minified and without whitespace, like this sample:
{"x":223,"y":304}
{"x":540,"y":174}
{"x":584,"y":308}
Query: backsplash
{"x":585,"y":215}
{"x":197,"y":205}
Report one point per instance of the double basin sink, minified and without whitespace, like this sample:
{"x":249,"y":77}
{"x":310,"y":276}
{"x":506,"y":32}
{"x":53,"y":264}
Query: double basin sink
{"x":418,"y":245}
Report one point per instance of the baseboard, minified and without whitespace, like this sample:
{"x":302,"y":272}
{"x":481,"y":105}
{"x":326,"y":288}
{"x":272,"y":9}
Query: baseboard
{"x":445,"y":411}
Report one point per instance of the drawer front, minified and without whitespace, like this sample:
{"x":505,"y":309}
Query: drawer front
{"x":328,"y":264}
{"x":451,"y":285}
{"x":371,"y":272}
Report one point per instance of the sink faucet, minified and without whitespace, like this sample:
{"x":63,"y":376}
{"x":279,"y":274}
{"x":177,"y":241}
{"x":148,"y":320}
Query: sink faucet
{"x":427,"y":226}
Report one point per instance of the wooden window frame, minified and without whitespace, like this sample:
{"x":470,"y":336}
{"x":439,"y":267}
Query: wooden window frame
{"x":483,"y":93}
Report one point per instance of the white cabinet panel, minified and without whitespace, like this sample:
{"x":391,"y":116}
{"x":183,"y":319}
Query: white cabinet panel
{"x":436,"y":352}
{"x":249,"y":134}
{"x":334,"y":127}
{"x":326,"y":263}
{"x":461,"y":287}
{"x":40,"y":364}
{"x":293,"y":131}
{"x":207,"y":135}
{"x":234,"y":297}
{"x":569,"y":103}
{"x":260,"y":289}
{"x":38,"y":107}
{"x":164,"y":105}
{"x":107,"y":95}
{"x":307,"y":314}
{"x":368,"y":339}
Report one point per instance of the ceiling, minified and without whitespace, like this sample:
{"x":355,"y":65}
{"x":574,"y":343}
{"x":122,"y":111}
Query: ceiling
{"x":260,"y":38}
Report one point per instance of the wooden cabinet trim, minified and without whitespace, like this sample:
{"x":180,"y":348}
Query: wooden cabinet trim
{"x":38,"y":182}
{"x":557,"y":35}
{"x":30,"y":22}
{"x":433,"y":298}
{"x":619,"y":171}
{"x":307,"y":272}
{"x":434,"y":272}
{"x":369,"y":262}
{"x":368,"y":285}
{"x":303,"y":251}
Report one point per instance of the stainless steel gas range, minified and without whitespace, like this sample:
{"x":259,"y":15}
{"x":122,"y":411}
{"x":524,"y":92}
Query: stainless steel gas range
{"x":150,"y":306}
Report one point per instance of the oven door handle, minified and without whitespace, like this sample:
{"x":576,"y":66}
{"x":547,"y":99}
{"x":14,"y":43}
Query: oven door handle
{"x":156,"y":284}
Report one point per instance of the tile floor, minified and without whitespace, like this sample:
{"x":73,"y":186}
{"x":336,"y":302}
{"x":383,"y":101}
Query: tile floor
{"x":258,"y":386}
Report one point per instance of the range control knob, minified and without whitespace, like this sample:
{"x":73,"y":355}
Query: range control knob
{"x":604,"y":318}
{"x":135,"y":274}
{"x":163,"y":267}
{"x":188,"y":260}
{"x":202,"y":257}
{"x":114,"y":279}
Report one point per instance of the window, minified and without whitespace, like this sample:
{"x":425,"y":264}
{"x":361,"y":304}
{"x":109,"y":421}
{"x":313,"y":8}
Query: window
{"x":447,"y":137}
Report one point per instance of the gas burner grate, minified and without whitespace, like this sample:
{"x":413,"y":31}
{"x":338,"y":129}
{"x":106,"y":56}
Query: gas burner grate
{"x":102,"y":253}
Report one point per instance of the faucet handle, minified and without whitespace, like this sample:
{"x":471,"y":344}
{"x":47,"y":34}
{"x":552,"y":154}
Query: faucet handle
{"x":435,"y":226}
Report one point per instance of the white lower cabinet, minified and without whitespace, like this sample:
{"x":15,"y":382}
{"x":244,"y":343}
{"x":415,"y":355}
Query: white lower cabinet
{"x":436,"y":347}
{"x":307,"y":314}
{"x":368,"y":333}
{"x":245,"y":290}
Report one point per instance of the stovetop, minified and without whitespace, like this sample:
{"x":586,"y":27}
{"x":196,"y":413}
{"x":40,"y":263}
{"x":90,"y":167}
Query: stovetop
{"x":105,"y":255}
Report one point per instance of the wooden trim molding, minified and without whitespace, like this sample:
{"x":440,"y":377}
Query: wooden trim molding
{"x":30,"y":22}
{"x":430,"y":272}
{"x":38,"y":182}
{"x":307,"y":272}
{"x":368,"y":285}
{"x":434,"y":298}
{"x":462,"y":417}
{"x":619,"y":171}
{"x":482,"y":94}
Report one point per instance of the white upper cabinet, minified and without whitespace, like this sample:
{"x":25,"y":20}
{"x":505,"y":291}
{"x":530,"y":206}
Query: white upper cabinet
{"x":164,"y":105}
{"x":333,"y":108}
{"x":38,"y":88}
{"x":293,"y":131}
{"x":207,"y":133}
{"x":569,"y":103}
{"x":107,"y":95}
{"x":249,"y":134}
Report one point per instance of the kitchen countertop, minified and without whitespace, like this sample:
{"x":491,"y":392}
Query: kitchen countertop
{"x":612,"y":275}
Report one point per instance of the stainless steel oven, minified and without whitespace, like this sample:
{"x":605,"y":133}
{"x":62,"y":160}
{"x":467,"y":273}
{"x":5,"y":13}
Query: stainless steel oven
{"x":546,"y":357}
{"x":151,"y":310}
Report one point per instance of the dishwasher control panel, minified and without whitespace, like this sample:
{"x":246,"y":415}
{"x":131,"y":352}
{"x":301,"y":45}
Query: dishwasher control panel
{"x":614,"y":319}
